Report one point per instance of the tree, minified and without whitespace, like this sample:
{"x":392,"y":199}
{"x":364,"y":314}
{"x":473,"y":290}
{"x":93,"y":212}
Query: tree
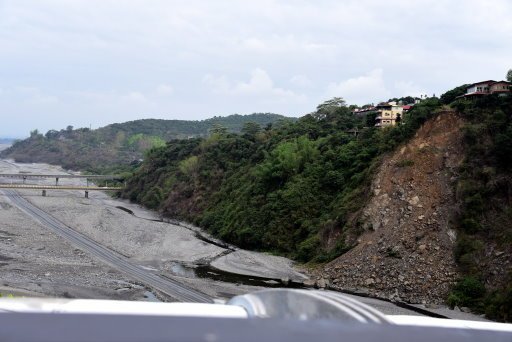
{"x":332,"y":104}
{"x":52,"y":134}
{"x":218,"y":129}
{"x":509,"y":75}
{"x":250,"y":129}
{"x":34,"y":133}
{"x":452,"y":94}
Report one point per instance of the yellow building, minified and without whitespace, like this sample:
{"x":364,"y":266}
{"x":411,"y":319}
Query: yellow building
{"x":388,"y":114}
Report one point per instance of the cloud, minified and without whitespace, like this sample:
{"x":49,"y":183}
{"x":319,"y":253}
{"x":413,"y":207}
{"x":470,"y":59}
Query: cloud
{"x":164,"y":90}
{"x":135,"y":96}
{"x":408,"y":88}
{"x":301,"y":81}
{"x":108,"y":60}
{"x":286,"y":44}
{"x":360,"y":90}
{"x":218,"y":84}
{"x":259,"y":84}
{"x":33,"y":95}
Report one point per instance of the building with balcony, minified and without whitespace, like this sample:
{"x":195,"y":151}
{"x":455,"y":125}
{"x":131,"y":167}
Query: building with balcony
{"x":488,"y":87}
{"x":388,"y":114}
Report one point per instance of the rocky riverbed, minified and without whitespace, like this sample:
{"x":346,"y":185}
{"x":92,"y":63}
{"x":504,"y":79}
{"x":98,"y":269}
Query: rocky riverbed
{"x":34,"y":260}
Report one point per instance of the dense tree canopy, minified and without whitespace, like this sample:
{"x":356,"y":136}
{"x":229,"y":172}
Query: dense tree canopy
{"x":293,"y":189}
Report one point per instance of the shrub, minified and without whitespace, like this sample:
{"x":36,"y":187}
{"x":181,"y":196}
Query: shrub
{"x":471,"y":226}
{"x":469,"y":292}
{"x":405,"y":163}
{"x":498,"y":304}
{"x":308,"y":249}
{"x":466,"y":250}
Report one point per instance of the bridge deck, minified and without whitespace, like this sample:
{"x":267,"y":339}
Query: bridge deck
{"x":59,"y":187}
{"x":36,"y":175}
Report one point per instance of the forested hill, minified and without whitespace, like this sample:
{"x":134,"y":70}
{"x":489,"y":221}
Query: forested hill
{"x":183,"y":129}
{"x":300,"y":190}
{"x":119,"y":144}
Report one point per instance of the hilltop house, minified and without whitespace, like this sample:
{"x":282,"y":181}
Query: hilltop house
{"x":488,"y":87}
{"x":389,"y":114}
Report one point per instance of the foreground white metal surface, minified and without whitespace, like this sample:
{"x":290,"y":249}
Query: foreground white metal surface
{"x":423,"y":321}
{"x":91,"y":306}
{"x":271,"y":304}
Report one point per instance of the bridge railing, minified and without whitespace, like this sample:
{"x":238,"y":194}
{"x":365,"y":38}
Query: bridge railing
{"x":44,"y":188}
{"x":25,"y":176}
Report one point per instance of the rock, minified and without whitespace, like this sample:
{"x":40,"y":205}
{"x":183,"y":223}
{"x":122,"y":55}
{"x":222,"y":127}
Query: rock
{"x":309,"y":283}
{"x":414,"y":201}
{"x":271,"y":282}
{"x":369,"y":282}
{"x":361,"y":292}
{"x":452,"y":234}
{"x":421,"y":217}
{"x":321,"y":283}
{"x":285,"y":281}
{"x":465,"y":309}
{"x":422,"y":248}
{"x":432,"y":306}
{"x":498,"y":253}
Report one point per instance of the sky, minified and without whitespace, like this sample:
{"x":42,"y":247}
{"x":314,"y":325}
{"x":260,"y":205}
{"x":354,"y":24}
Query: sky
{"x":88,"y":63}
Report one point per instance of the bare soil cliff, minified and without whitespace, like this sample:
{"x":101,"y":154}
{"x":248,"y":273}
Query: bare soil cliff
{"x":406,"y":251}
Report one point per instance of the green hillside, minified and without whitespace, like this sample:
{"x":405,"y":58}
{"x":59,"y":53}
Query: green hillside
{"x":282,"y":189}
{"x":117,"y":145}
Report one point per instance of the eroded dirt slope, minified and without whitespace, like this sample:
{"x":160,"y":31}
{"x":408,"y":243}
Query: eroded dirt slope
{"x":405,"y":252}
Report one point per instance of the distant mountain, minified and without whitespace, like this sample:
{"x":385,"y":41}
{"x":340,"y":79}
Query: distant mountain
{"x":6,"y":141}
{"x":121,"y":143}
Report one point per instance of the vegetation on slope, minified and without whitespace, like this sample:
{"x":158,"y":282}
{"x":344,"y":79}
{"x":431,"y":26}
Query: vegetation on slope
{"x":292,"y":190}
{"x":297,"y":189}
{"x":115,"y":146}
{"x":484,"y":190}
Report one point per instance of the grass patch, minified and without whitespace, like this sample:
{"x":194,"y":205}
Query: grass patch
{"x":405,"y":163}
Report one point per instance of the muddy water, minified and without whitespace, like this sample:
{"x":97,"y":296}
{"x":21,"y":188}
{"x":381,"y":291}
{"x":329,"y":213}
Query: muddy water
{"x":209,"y":272}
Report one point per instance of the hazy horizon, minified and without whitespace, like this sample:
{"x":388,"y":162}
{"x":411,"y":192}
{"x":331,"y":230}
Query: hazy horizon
{"x":89,"y":63}
{"x":110,"y":123}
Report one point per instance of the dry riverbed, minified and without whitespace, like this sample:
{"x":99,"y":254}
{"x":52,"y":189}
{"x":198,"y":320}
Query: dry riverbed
{"x":35,"y":260}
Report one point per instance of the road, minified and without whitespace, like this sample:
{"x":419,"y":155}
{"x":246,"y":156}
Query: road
{"x":167,"y":286}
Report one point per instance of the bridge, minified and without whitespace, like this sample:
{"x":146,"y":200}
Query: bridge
{"x":60,"y":187}
{"x":44,"y":188}
{"x":26,"y":176}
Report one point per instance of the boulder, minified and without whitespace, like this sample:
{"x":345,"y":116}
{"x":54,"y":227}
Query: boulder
{"x":309,"y":283}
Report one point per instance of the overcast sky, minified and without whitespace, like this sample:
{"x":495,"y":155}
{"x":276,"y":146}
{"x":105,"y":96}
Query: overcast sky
{"x":94,"y":62}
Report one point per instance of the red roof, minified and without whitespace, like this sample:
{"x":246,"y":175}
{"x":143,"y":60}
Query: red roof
{"x":483,"y":82}
{"x":407,"y":107}
{"x":502,"y":82}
